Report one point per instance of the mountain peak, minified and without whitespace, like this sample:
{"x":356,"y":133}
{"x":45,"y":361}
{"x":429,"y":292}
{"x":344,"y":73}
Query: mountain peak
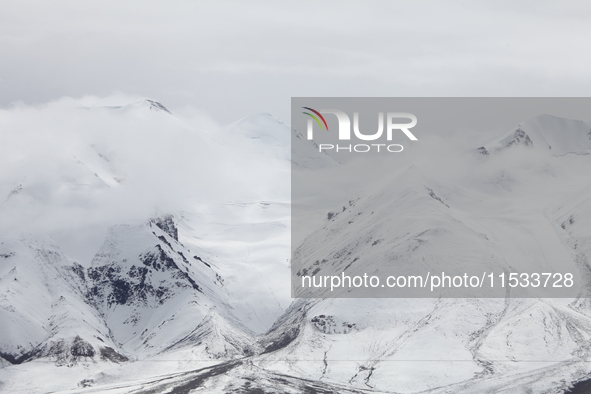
{"x":156,"y":106}
{"x":553,"y":134}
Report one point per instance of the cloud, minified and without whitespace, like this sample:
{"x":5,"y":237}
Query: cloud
{"x":235,"y":58}
{"x":76,"y":165}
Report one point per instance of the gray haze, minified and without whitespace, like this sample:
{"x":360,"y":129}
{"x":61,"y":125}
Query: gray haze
{"x":234,"y":58}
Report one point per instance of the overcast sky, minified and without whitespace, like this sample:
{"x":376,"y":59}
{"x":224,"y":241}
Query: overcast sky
{"x":235,"y":58}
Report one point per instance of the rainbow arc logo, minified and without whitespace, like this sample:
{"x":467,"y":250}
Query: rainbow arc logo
{"x":316,"y":118}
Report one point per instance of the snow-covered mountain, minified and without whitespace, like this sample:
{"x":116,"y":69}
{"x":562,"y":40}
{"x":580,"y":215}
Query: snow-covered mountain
{"x":520,"y":206}
{"x":100,"y":270}
{"x":557,"y":136}
{"x":44,"y":309}
{"x":154,"y":294}
{"x":168,"y":269}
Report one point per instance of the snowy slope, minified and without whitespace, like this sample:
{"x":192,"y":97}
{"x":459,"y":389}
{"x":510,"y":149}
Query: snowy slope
{"x":557,"y":136}
{"x":499,"y":213}
{"x":44,"y":308}
{"x":153,"y":293}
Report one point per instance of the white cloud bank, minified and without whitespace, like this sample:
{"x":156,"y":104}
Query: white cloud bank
{"x":72,"y":167}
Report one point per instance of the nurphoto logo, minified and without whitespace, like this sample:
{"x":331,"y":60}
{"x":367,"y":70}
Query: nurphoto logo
{"x":393,"y":125}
